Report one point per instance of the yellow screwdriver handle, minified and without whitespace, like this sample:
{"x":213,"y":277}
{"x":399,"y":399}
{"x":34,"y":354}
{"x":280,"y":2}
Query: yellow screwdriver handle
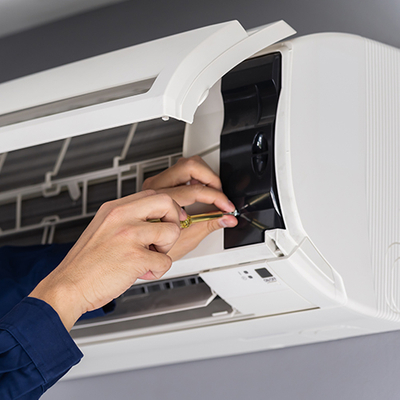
{"x":191,"y":219}
{"x":184,"y":224}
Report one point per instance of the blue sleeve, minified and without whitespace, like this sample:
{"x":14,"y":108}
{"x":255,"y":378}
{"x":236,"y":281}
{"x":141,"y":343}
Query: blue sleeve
{"x":22,"y":268}
{"x":35,"y":350}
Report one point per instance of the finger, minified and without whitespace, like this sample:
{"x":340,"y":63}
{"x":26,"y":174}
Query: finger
{"x":103,"y":212}
{"x":108,"y":206}
{"x":186,"y":195}
{"x":148,"y":276}
{"x":184,"y":171}
{"x":162,"y":235}
{"x":158,"y":206}
{"x":202,"y":229}
{"x":192,"y":236}
{"x":131,"y":209}
{"x":158,"y":265}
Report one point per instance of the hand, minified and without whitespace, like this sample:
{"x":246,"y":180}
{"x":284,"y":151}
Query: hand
{"x":117,"y":247}
{"x":205,"y":187}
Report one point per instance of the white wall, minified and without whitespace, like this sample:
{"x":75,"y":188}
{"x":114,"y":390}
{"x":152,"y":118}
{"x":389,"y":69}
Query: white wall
{"x":364,"y":368}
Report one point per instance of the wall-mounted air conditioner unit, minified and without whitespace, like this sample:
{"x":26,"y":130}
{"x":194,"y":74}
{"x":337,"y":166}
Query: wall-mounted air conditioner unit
{"x":305,"y":133}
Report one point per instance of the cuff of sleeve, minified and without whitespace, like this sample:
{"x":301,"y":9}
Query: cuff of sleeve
{"x":39,"y":330}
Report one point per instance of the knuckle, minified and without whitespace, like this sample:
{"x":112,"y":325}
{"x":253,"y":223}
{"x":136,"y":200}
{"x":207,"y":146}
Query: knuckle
{"x":165,"y":198}
{"x":175,"y":231}
{"x":147,"y":183}
{"x":192,"y":161}
{"x":114,"y":211}
{"x":106,"y":207}
{"x":169,"y":234}
{"x":196,"y":158}
{"x":166,"y":264}
{"x":110,"y":211}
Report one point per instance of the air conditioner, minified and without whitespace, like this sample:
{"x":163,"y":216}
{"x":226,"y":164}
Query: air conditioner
{"x":304,"y":133}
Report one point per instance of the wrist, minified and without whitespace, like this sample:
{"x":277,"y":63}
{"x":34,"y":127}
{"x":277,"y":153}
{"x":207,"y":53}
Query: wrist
{"x":61,"y":299}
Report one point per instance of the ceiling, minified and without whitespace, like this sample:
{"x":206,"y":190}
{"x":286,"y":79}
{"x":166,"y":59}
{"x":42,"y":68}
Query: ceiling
{"x":19,"y":15}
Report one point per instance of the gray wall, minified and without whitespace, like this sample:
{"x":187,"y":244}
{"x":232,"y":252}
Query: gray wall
{"x":360,"y":368}
{"x":365,"y":368}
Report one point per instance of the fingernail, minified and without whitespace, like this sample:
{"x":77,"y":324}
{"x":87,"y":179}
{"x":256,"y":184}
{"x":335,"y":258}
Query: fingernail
{"x":227,"y":223}
{"x":183,"y":213}
{"x":222,"y":223}
{"x":231,"y":205}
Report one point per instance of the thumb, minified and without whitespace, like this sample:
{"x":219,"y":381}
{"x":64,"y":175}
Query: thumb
{"x":202,"y":229}
{"x":227,"y":221}
{"x":192,"y":236}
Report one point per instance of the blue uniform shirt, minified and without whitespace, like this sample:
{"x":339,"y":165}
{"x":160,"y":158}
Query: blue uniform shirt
{"x":35,"y":350}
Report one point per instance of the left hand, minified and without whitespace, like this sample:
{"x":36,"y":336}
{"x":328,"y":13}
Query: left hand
{"x":205,"y":187}
{"x":119,"y":246}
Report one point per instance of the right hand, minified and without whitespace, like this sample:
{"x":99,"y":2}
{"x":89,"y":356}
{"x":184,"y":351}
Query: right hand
{"x":117,"y":247}
{"x":204,"y":187}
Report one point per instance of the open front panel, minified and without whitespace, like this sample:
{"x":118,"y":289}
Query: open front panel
{"x":168,"y":77}
{"x":76,"y":102}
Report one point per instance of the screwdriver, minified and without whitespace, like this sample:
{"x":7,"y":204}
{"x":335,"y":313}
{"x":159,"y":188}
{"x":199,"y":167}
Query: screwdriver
{"x":192,"y":219}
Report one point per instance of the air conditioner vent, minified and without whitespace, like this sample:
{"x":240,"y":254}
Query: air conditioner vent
{"x":158,"y":286}
{"x":153,"y":306}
